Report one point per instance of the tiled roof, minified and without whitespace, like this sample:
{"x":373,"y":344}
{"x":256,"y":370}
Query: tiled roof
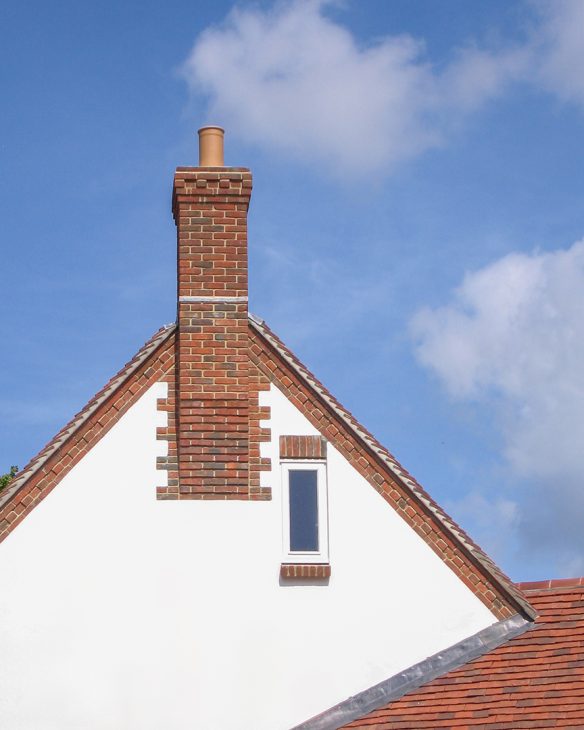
{"x":393,"y":465}
{"x":535,"y":680}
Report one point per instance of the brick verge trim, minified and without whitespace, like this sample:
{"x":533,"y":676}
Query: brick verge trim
{"x":473,"y":567}
{"x":42,"y":474}
{"x":290,"y":571}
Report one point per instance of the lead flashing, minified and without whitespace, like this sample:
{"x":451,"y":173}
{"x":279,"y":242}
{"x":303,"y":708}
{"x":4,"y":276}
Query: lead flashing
{"x":417,"y":675}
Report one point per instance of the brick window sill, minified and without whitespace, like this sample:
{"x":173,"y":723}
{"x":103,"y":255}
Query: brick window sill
{"x":291,"y":571}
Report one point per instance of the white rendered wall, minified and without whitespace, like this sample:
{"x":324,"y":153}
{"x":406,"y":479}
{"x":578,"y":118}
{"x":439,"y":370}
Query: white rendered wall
{"x":119,"y":612}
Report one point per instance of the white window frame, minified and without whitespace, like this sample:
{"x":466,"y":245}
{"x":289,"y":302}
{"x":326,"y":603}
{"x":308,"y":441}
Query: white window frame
{"x":322,"y":554}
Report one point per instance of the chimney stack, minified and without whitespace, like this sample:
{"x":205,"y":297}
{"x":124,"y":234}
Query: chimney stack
{"x":210,"y":205}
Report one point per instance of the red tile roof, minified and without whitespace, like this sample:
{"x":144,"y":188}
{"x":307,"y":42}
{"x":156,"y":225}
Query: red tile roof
{"x":535,"y":680}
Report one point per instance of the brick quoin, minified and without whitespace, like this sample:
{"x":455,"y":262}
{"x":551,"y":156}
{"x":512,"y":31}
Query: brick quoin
{"x":216,"y":398}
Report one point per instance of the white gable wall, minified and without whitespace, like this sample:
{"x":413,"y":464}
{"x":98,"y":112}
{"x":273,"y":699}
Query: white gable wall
{"x":120,"y":612}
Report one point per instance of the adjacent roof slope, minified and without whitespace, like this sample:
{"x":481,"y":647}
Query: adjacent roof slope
{"x":535,"y":680}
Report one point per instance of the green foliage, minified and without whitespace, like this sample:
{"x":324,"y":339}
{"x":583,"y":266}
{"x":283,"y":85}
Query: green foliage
{"x":5,"y":479}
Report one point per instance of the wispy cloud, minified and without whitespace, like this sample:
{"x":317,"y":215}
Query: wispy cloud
{"x":558,"y":49}
{"x":513,"y":337}
{"x":336,"y":298}
{"x":495,"y":520}
{"x":292,"y":79}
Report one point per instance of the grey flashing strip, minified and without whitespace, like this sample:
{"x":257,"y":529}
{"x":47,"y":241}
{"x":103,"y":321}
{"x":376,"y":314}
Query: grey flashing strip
{"x":212,"y":299}
{"x":415,"y":676}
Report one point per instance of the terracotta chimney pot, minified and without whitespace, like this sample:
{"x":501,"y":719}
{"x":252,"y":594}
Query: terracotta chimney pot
{"x":211,"y":147}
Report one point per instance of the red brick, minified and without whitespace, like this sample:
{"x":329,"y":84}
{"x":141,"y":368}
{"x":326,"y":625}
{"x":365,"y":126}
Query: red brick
{"x":299,"y":571}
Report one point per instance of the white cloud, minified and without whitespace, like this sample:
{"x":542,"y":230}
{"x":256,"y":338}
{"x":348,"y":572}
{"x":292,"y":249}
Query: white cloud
{"x":515,"y":329}
{"x":494,"y":519}
{"x":558,"y":49}
{"x":478,"y":75}
{"x":513,"y":336}
{"x":292,"y":79}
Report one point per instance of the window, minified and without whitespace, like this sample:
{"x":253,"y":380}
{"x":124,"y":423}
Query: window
{"x":305,"y":513}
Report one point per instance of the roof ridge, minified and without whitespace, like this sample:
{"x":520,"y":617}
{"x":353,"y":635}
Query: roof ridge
{"x":36,"y":463}
{"x":410,"y":483}
{"x":551,"y":584}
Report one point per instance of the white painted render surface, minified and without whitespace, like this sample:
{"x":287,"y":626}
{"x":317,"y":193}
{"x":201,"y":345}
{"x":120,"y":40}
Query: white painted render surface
{"x":119,"y":612}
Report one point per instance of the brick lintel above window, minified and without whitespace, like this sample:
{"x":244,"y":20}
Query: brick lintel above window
{"x":302,"y":447}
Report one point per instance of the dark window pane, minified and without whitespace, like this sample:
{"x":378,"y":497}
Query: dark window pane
{"x":303,"y":510}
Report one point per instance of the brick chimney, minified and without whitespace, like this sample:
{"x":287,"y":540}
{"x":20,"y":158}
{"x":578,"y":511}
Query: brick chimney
{"x":210,"y":205}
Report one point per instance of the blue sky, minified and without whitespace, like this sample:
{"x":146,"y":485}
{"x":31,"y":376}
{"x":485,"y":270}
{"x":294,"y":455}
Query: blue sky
{"x":417,"y":207}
